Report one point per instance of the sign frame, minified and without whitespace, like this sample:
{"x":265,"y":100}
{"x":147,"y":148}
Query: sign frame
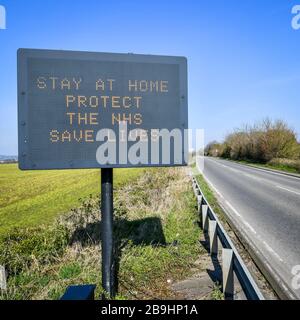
{"x":23,"y":104}
{"x":108,"y":271}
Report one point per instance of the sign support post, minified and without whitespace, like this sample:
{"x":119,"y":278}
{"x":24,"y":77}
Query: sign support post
{"x":70,"y":108}
{"x":108,"y":265}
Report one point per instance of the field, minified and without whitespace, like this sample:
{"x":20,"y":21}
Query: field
{"x":57,"y":242}
{"x":31,"y":198}
{"x":156,"y":244}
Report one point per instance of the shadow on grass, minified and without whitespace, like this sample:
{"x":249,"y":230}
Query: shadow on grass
{"x":142,"y":232}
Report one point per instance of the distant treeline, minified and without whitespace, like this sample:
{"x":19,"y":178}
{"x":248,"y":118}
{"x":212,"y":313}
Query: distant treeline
{"x":8,"y":161}
{"x":269,"y":141}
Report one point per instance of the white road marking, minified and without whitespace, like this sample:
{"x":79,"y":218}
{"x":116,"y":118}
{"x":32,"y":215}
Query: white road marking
{"x":227,"y":167}
{"x":270,"y":249}
{"x":253,"y":177}
{"x":247,"y":224}
{"x":232,"y":208}
{"x":249,"y":227}
{"x":289,"y":190}
{"x":262,"y":169}
{"x":260,"y":179}
{"x":216,"y":190}
{"x":237,"y":170}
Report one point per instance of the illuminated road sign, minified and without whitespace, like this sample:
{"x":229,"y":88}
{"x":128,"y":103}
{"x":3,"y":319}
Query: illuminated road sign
{"x":66,"y":101}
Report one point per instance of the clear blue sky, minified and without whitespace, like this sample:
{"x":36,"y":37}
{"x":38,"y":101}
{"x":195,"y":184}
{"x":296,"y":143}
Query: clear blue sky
{"x":243,"y":55}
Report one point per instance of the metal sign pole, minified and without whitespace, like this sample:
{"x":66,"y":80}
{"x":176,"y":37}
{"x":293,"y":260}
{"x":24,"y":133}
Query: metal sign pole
{"x":108,"y":274}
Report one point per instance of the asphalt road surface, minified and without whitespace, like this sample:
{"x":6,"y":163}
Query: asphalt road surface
{"x":266,"y":206}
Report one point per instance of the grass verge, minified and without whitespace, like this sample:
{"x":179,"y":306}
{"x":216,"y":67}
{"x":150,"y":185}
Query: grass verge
{"x":210,"y":197}
{"x":272,"y":165}
{"x":156,"y":243}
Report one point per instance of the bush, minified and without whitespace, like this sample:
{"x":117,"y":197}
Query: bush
{"x":214,"y":149}
{"x":277,"y":140}
{"x":259,"y":143}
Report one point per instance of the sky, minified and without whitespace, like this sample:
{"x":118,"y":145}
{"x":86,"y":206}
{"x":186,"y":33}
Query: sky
{"x":243,"y":55}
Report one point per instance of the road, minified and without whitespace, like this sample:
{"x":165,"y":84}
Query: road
{"x":266,"y":207}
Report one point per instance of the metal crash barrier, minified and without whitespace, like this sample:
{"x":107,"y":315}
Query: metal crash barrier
{"x":232,"y":264}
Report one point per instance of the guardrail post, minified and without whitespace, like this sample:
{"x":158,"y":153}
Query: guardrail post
{"x":232,"y":265}
{"x":204,"y":211}
{"x":196,"y":189}
{"x":227,"y":270}
{"x":199,"y":200}
{"x":3,"y":284}
{"x":213,"y":239}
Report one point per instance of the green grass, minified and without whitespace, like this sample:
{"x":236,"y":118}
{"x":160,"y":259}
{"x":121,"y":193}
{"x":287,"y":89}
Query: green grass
{"x":280,"y":167}
{"x":211,"y":198}
{"x":69,"y":271}
{"x":31,"y":198}
{"x":217,"y":293}
{"x":156,"y":243}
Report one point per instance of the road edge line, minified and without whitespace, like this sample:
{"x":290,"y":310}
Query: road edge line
{"x":270,"y":274}
{"x":295,"y":175}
